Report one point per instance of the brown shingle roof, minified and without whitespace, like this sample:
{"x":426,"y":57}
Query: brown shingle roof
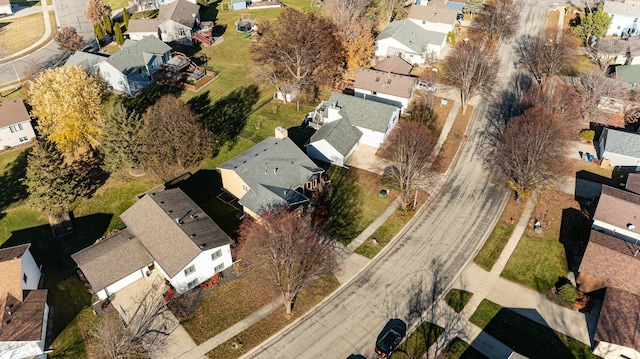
{"x":618,"y":207}
{"x":153,"y":220}
{"x":111,"y":259}
{"x":180,"y":11}
{"x":11,"y":272}
{"x":633,"y":183}
{"x":619,"y":321}
{"x":435,"y":11}
{"x":394,"y":64}
{"x":612,"y":261}
{"x":26,"y":318}
{"x":385,"y":82}
{"x":12,"y":112}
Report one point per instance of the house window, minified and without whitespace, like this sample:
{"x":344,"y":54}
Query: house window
{"x":15,"y":128}
{"x":217,"y":254}
{"x":190,"y":270}
{"x":193,"y":283}
{"x":219,"y":267}
{"x":181,"y":32}
{"x":309,"y":185}
{"x":24,"y":278}
{"x":22,"y":139}
{"x":244,"y":187}
{"x":315,"y":182}
{"x":139,"y":71}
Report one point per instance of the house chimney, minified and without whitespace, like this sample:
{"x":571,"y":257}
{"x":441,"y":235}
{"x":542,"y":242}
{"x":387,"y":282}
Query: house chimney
{"x":281,"y":132}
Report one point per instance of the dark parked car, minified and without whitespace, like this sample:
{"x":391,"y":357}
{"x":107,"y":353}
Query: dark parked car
{"x":389,"y":341}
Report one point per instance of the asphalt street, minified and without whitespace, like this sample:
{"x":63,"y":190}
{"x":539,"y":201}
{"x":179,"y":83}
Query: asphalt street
{"x":433,"y":248}
{"x":68,"y":13}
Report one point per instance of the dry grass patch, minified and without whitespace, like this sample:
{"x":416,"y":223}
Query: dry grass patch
{"x":442,"y":112}
{"x":228,"y":304}
{"x":553,"y":17}
{"x":450,"y":146}
{"x":262,"y":330}
{"x":13,"y":36}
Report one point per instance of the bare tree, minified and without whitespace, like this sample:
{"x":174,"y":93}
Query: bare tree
{"x":408,"y":148}
{"x":529,"y":151}
{"x":288,"y":251}
{"x":595,"y":86}
{"x":172,"y":139}
{"x":499,"y":20}
{"x":343,"y":13}
{"x":543,"y":58}
{"x":68,"y":39}
{"x":606,"y":50}
{"x":391,"y":9}
{"x":140,"y":334}
{"x":472,"y":68}
{"x":95,"y":10}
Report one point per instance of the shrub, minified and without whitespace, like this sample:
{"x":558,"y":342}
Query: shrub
{"x":588,"y":134}
{"x":568,"y":293}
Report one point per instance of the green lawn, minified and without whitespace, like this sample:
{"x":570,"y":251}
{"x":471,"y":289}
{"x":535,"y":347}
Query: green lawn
{"x":457,"y":299}
{"x":384,"y":234}
{"x":526,"y":336}
{"x":490,"y":251}
{"x":537,"y":262}
{"x":418,"y":342}
{"x":458,"y":348}
{"x":116,"y":4}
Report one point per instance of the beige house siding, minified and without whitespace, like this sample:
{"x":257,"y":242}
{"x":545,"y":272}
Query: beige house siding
{"x":232,"y":183}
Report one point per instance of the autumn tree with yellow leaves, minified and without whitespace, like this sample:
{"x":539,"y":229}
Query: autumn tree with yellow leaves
{"x":354,"y":28}
{"x":67,"y":104}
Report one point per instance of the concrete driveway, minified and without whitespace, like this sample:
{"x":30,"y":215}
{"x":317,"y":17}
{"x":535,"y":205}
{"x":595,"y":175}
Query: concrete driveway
{"x":127,"y":301}
{"x":364,"y":158}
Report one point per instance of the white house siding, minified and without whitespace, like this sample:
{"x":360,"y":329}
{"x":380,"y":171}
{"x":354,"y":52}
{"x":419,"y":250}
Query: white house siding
{"x":19,"y":136}
{"x":173,"y":31}
{"x":323,"y":151}
{"x":205,"y":268}
{"x":116,"y":79}
{"x":20,"y":350}
{"x":623,"y":24}
{"x":122,"y":283}
{"x":613,"y":351}
{"x":393,"y":121}
{"x":31,"y":270}
{"x":397,"y":101}
{"x":6,"y":9}
{"x":371,"y":138}
{"x":621,"y":160}
{"x":433,"y":26}
{"x":615,"y":231}
{"x":391,"y":47}
{"x":140,"y":35}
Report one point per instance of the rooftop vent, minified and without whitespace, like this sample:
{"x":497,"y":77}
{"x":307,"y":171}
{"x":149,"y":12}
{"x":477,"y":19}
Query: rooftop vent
{"x":631,"y":227}
{"x":275,"y":170}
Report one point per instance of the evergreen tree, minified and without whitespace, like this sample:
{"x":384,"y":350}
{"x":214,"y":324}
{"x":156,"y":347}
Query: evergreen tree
{"x":106,"y":23}
{"x":51,"y":183}
{"x":594,"y":24}
{"x":126,"y":16}
{"x":117,"y":30}
{"x":120,"y":144}
{"x":97,"y":29}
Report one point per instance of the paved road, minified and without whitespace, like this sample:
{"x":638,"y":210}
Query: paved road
{"x":68,"y":13}
{"x":448,"y":230}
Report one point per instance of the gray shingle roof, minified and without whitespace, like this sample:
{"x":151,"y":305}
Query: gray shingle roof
{"x":132,"y":55}
{"x":272,"y":169}
{"x":626,"y":8}
{"x":180,"y":11}
{"x":85,"y":59}
{"x":411,"y":35}
{"x":112,"y":259}
{"x":434,"y":11}
{"x":154,"y":220}
{"x":339,"y":134}
{"x":629,"y":73}
{"x":363,"y":113}
{"x":622,"y":143}
{"x":12,"y":112}
{"x":394,"y":64}
{"x":143,"y":25}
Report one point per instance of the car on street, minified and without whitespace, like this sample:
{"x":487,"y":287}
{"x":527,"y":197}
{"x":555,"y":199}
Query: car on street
{"x":389,"y":341}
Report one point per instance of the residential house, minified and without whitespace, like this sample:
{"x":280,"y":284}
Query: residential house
{"x":457,"y":5}
{"x":165,"y":232}
{"x":624,"y":17}
{"x":5,"y":7}
{"x":385,"y":87}
{"x":345,"y":122}
{"x":406,"y":39}
{"x":15,"y":124}
{"x":435,"y":16}
{"x":23,"y":307}
{"x":395,"y":65}
{"x":610,"y":264}
{"x":619,"y":148}
{"x":129,"y":70}
{"x":273,"y":173}
{"x":176,"y":22}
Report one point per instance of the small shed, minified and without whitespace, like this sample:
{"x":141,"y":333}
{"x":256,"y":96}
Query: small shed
{"x":238,"y":4}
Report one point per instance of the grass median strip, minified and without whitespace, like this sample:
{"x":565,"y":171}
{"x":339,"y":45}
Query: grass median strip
{"x":454,"y":139}
{"x":492,"y":248}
